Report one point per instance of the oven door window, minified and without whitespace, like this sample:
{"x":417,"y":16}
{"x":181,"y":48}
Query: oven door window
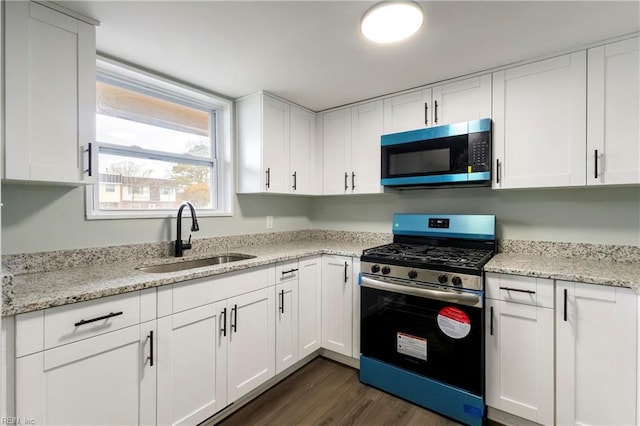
{"x":423,"y":158}
{"x":436,"y":339}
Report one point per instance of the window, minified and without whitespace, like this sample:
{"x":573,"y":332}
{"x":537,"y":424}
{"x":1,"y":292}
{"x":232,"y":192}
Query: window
{"x":158,"y":144}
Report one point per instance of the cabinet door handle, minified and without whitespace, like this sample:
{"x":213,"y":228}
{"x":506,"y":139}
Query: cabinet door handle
{"x":234,"y":323}
{"x":595,"y":165}
{"x":290,"y":271}
{"x":346,"y":266}
{"x":268,"y":172}
{"x":295,"y":181}
{"x":497,"y":170}
{"x":281,"y":302}
{"x":565,"y":305}
{"x":353,"y":180}
{"x":223,"y":314}
{"x":346,"y":179}
{"x":150,"y":357}
{"x":89,"y":159}
{"x":491,"y":321}
{"x":518,"y":290}
{"x":426,"y":114}
{"x":109,"y":315}
{"x":435,"y":112}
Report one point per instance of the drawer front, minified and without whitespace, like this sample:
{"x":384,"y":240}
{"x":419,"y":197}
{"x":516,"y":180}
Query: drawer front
{"x":520,"y":289}
{"x":286,"y":271}
{"x":70,"y":323}
{"x":202,"y":291}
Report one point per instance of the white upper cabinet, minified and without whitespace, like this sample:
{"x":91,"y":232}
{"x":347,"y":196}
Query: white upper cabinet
{"x":276,"y":146}
{"x":50,"y":81}
{"x":613,"y":113}
{"x":539,"y":123}
{"x":409,"y":111}
{"x":463,"y":100}
{"x":351,"y":149}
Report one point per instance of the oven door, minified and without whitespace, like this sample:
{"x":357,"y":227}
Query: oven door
{"x":430,"y":331}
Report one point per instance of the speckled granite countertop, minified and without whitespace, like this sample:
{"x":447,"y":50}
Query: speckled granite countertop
{"x":35,"y":291}
{"x":592,"y":271}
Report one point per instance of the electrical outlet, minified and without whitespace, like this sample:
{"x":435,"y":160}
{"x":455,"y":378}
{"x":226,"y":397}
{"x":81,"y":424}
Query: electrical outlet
{"x":269,"y":222}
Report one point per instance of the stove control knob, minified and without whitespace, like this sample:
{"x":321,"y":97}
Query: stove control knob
{"x":375,"y":269}
{"x":457,"y":281}
{"x":442,"y":278}
{"x":413,"y":275}
{"x":386,"y":270}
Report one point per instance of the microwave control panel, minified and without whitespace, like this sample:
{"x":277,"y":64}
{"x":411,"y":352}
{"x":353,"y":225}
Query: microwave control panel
{"x":479,"y":151}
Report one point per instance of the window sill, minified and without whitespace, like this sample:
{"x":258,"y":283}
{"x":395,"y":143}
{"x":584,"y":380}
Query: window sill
{"x":164,"y":214}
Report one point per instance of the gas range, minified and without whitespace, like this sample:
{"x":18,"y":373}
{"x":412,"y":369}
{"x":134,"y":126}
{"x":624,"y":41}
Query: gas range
{"x":445,"y":250}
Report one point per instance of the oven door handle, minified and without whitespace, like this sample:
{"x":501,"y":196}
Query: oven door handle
{"x":466,"y":299}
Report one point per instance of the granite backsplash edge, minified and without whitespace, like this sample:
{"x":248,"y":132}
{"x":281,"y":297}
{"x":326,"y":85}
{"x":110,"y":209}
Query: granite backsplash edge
{"x":14,"y":264}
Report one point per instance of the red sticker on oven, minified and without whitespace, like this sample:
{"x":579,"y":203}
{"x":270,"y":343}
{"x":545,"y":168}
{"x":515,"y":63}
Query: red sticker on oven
{"x":454,"y":322}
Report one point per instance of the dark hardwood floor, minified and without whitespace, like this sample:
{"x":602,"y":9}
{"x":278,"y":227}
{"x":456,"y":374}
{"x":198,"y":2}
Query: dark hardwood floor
{"x":325,"y":392}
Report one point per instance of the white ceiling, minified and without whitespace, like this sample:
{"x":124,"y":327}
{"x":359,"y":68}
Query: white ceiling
{"x":312,"y":53}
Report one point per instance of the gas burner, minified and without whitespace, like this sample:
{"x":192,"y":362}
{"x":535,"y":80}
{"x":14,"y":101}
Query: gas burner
{"x":431,"y":255}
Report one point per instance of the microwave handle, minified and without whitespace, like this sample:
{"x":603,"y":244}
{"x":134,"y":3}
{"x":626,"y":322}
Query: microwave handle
{"x":426,"y":113}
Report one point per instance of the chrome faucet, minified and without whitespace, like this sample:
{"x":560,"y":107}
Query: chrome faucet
{"x":180,"y":245}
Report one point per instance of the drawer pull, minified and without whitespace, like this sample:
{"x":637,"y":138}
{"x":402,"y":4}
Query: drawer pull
{"x":150,"y":357}
{"x":518,"y":290}
{"x":109,"y":315}
{"x":290,"y":271}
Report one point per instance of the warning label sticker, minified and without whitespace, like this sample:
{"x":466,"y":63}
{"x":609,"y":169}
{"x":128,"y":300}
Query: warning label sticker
{"x":413,"y":346}
{"x":454,"y":322}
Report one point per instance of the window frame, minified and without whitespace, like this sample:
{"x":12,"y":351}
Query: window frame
{"x":133,"y":78}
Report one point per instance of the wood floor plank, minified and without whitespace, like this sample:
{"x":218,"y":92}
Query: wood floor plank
{"x":325,"y":392}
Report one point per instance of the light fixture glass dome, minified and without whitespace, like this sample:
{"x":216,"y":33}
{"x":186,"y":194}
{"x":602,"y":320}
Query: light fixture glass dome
{"x":392,"y":21}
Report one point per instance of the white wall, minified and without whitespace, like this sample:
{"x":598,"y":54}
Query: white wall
{"x":589,"y":215}
{"x":42,"y":218}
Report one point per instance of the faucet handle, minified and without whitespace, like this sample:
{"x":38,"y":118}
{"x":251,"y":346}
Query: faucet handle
{"x":187,"y":245}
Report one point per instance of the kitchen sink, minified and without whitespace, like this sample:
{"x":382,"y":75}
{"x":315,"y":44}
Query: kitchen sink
{"x":196,"y":263}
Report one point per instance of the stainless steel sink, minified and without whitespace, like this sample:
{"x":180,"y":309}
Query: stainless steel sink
{"x":196,"y":263}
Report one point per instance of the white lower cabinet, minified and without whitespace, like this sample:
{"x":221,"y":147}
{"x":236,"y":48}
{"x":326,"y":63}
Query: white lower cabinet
{"x":192,"y":360}
{"x":309,"y":305}
{"x":593,"y":364}
{"x":519,"y":346}
{"x":251,"y":346}
{"x":286,"y":313}
{"x":355,"y":352}
{"x":107,"y":379}
{"x":596,"y":355}
{"x":337,"y":304}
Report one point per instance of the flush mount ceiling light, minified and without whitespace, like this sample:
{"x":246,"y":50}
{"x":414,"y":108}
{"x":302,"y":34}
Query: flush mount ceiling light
{"x":392,"y":21}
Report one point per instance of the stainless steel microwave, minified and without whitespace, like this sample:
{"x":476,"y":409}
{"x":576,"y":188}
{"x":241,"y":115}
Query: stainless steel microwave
{"x":450,"y":155}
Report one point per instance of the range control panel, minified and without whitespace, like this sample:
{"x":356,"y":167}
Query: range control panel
{"x":438,"y":223}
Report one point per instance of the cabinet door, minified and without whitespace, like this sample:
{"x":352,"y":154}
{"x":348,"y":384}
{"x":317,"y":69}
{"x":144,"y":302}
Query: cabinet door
{"x":355,"y":351}
{"x":192,"y":365}
{"x":275,"y":139}
{"x":539,"y":123}
{"x":337,"y":302}
{"x":50,"y":95}
{"x":251,"y":350}
{"x":613,"y":111}
{"x":408,"y":112}
{"x":309,"y":306}
{"x":365,"y":148}
{"x":106,"y":379}
{"x":303,"y":135}
{"x":336,"y":147}
{"x":286,"y":325}
{"x":596,"y":353}
{"x":463,"y":100}
{"x":519,"y":360}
